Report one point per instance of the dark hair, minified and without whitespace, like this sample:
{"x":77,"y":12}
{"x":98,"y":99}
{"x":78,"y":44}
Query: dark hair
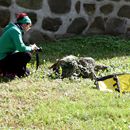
{"x":20,"y":16}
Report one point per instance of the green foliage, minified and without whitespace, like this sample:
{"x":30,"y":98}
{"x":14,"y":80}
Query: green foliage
{"x":94,"y":46}
{"x":42,"y":103}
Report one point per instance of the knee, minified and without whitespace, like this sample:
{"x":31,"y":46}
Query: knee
{"x":28,"y":56}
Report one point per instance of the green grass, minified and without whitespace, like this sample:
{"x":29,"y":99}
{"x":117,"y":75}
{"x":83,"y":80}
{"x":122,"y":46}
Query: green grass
{"x":47,"y":104}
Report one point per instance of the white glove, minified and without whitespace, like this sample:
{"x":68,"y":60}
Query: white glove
{"x":34,"y":47}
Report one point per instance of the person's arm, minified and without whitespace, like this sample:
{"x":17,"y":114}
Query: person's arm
{"x":18,"y":41}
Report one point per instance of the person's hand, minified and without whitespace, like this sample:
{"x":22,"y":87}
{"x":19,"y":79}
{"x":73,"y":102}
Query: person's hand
{"x":34,"y":47}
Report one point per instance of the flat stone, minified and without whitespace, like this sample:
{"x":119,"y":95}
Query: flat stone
{"x":77,"y":26}
{"x":51,"y":24}
{"x":77,"y":6}
{"x":97,"y":26}
{"x":59,"y":6}
{"x":4,"y":17}
{"x":6,"y":3}
{"x":36,"y":37}
{"x":124,"y":11}
{"x":33,"y":17}
{"x":115,"y":0}
{"x":89,"y":8}
{"x":116,"y":26}
{"x":30,"y":4}
{"x":106,"y":9}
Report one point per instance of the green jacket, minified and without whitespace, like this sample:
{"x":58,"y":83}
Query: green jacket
{"x":11,"y":41}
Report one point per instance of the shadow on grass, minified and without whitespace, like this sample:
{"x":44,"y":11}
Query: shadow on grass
{"x":97,"y":47}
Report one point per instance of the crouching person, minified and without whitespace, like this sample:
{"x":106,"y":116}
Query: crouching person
{"x":14,"y":54}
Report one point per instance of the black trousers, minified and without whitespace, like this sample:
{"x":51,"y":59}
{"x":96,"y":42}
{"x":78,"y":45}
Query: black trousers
{"x":15,"y":63}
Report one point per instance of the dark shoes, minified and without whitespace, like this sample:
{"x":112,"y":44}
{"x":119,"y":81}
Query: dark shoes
{"x":10,"y":75}
{"x":23,"y":73}
{"x":27,"y":72}
{"x":19,"y":74}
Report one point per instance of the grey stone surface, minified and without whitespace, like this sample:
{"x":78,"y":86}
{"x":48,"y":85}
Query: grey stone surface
{"x":115,"y":0}
{"x":77,"y":26}
{"x":51,"y":24}
{"x":59,"y":6}
{"x":89,"y":8}
{"x":36,"y":37}
{"x":30,"y":4}
{"x":6,"y":3}
{"x":97,"y":26}
{"x":124,"y":11}
{"x":106,"y":9}
{"x":59,"y":18}
{"x":77,"y":6}
{"x":4,"y":19}
{"x":33,"y":17}
{"x":116,"y":26}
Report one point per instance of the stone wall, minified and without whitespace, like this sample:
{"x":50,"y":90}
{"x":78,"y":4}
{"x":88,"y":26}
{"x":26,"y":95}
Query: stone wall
{"x":61,"y":18}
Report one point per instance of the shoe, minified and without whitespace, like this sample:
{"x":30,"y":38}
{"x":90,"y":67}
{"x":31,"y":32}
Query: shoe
{"x":23,"y":73}
{"x":10,"y":75}
{"x":27,"y":72}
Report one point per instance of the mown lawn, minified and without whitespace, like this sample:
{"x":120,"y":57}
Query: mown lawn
{"x":41,"y":103}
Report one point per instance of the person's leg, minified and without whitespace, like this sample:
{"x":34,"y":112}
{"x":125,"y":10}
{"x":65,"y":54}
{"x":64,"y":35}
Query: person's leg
{"x":16,"y":63}
{"x":2,"y":70}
